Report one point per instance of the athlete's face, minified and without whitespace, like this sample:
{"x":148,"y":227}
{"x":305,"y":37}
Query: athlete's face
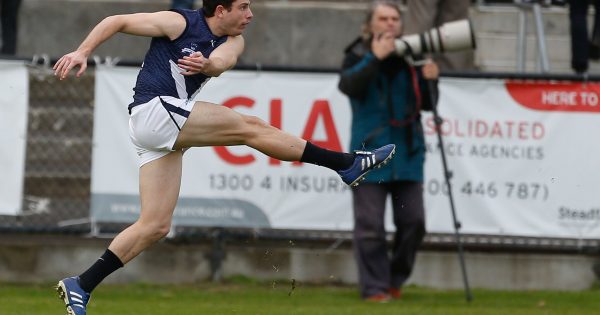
{"x":236,"y":19}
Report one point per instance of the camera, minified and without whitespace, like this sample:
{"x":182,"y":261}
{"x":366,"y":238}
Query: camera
{"x":451,"y":36}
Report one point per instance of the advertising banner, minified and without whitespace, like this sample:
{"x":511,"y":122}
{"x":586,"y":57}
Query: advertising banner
{"x":519,"y":153}
{"x":233,"y":186}
{"x":14,"y":100}
{"x":523,"y":156}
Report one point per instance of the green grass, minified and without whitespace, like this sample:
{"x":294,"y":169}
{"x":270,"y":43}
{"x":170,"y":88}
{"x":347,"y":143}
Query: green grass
{"x":251,"y":297}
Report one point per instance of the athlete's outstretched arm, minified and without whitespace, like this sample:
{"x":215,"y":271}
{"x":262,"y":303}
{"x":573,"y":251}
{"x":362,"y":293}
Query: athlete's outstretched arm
{"x":159,"y":24}
{"x":220,"y":60}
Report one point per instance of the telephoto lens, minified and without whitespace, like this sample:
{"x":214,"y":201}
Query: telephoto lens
{"x":451,"y":36}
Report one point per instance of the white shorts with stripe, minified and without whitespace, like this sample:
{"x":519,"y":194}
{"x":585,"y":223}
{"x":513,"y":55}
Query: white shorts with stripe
{"x":154,"y":126}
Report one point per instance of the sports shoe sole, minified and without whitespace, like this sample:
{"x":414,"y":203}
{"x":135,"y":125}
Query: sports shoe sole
{"x":362,"y":177}
{"x":62,"y":294}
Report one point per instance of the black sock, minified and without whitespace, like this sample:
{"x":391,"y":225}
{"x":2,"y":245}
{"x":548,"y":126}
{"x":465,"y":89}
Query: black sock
{"x":105,"y":265}
{"x":331,"y":159}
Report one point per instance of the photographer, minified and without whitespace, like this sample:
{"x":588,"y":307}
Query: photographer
{"x":386,"y":94}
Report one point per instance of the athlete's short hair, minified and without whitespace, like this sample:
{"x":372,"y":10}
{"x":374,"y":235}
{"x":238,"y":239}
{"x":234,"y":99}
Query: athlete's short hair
{"x":209,"y":6}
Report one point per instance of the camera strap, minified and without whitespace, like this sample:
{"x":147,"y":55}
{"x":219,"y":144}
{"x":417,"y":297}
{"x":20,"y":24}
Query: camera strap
{"x":397,"y":123}
{"x":418,"y":101}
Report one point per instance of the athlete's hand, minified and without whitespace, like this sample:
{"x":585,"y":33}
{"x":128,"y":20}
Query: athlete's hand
{"x":193,"y":64}
{"x":69,"y":61}
{"x":430,"y":70}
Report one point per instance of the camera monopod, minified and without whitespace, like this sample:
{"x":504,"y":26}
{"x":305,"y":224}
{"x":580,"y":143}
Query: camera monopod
{"x":448,"y":176}
{"x":452,"y":36}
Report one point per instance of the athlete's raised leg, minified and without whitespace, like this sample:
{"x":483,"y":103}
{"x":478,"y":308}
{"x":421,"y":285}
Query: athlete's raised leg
{"x":215,"y":125}
{"x":211,"y":125}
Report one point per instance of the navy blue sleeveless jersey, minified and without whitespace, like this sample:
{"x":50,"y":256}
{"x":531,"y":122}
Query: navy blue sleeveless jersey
{"x":160,"y":75}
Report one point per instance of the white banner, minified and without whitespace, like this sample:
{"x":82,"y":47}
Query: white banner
{"x":14,"y":100}
{"x":234,"y":186}
{"x":518,"y":169}
{"x":523,"y":155}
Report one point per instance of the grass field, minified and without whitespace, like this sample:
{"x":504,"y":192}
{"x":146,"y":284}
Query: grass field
{"x":247,"y":297}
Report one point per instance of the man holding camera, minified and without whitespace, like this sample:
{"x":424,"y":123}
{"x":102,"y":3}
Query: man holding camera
{"x":387,"y":94}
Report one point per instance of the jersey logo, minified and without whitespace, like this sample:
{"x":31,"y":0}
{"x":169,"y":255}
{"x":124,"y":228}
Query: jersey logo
{"x":191,"y":50}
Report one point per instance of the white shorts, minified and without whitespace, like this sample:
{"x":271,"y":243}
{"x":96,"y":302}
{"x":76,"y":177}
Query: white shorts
{"x":154,"y":126}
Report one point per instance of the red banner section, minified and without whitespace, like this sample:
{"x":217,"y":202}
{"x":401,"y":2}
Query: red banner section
{"x":556,"y":96}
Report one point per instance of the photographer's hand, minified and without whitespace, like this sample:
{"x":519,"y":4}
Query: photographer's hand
{"x":383,"y":45}
{"x":430,"y":71}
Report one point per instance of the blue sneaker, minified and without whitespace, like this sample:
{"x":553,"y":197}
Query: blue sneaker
{"x":76,"y":299}
{"x":365,"y":161}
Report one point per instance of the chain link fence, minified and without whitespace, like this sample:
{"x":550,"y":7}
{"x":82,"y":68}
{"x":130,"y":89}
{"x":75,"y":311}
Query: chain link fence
{"x":58,"y":154}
